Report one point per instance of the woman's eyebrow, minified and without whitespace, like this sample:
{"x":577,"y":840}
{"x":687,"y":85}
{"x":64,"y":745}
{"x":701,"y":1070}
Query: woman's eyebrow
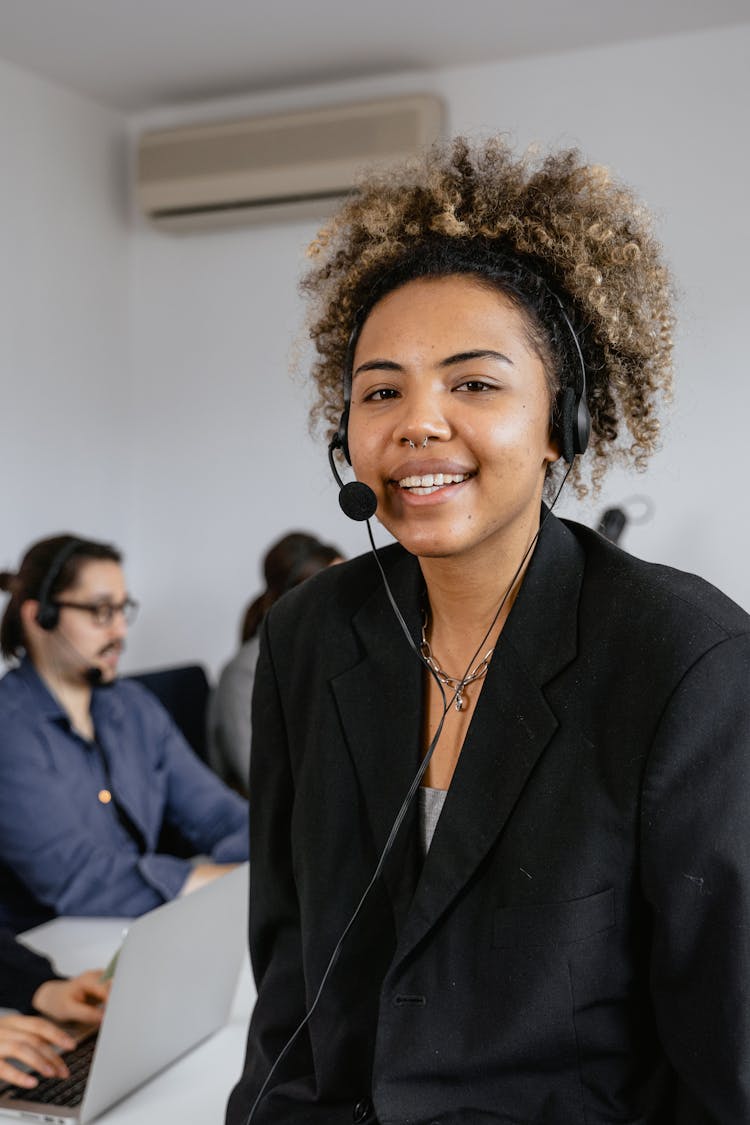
{"x":477,"y":353}
{"x":449,"y":361}
{"x":378,"y":365}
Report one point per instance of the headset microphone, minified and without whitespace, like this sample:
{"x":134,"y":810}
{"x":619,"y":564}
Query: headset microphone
{"x":356,"y":500}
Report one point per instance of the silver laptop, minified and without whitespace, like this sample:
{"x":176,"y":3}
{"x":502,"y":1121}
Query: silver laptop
{"x":176,"y":977}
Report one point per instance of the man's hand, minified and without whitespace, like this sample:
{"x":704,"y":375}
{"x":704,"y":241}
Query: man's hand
{"x":204,"y":873}
{"x":81,"y":999}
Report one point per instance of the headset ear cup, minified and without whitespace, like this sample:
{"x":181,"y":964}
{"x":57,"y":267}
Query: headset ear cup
{"x":575,"y":424}
{"x":567,"y":424}
{"x":342,"y":435}
{"x":47,"y":616}
{"x":583,"y":426}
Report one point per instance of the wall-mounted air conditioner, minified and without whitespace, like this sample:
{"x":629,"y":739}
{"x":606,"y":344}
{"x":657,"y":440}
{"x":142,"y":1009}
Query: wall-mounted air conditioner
{"x":292,"y":165}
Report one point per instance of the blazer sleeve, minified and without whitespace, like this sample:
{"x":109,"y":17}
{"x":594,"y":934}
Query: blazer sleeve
{"x":696,"y":875}
{"x":21,"y":972}
{"x":275,"y":939}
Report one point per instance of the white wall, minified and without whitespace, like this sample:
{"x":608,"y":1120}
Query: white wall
{"x":63,"y":315}
{"x":145,"y":386}
{"x":670,"y":116}
{"x":224,"y":463}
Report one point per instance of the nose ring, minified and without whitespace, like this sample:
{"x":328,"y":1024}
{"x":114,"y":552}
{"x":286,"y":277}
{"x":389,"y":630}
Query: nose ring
{"x":424,"y":443}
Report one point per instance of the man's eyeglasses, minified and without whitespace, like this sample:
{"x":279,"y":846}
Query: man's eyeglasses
{"x":104,"y":613}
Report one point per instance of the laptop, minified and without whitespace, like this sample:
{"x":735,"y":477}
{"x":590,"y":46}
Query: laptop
{"x":176,"y":977}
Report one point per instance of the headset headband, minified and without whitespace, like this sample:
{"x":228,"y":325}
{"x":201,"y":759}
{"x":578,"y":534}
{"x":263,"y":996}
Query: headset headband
{"x":48,"y":613}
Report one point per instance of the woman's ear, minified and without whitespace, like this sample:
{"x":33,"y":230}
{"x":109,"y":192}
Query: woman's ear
{"x":553,"y":452}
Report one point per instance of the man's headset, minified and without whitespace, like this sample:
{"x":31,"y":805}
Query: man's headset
{"x":572,"y":420}
{"x":48,"y":613}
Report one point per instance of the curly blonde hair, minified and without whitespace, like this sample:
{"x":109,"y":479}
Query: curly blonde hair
{"x":559,"y":228}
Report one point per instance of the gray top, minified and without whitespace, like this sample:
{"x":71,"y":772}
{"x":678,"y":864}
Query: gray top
{"x":229,"y":716}
{"x":431,"y":803}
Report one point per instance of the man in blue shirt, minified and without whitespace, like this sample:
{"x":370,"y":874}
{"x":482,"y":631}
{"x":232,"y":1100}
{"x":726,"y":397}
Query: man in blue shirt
{"x":92,"y":768}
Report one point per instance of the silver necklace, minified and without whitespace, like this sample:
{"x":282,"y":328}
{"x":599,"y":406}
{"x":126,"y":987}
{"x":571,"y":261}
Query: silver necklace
{"x":458,"y":686}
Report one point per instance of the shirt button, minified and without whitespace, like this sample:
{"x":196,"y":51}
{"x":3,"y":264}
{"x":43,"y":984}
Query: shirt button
{"x":362,"y":1110}
{"x":104,"y":796}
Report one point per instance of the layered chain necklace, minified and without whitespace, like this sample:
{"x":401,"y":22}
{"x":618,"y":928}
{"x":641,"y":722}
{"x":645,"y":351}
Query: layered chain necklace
{"x":457,"y":686}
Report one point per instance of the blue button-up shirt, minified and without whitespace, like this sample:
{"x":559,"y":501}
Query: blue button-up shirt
{"x":62,"y":851}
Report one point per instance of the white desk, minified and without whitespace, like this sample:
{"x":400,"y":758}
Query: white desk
{"x":193,"y":1090}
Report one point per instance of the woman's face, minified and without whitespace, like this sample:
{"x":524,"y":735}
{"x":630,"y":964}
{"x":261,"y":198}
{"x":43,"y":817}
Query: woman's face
{"x":446,"y":363}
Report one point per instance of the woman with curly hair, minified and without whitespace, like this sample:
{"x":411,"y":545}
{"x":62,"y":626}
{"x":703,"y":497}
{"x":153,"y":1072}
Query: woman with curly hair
{"x":508,"y":881}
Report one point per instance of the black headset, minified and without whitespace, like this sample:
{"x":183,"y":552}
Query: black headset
{"x":573,"y":425}
{"x":356,"y":500}
{"x":341,"y":437}
{"x":48,"y":613}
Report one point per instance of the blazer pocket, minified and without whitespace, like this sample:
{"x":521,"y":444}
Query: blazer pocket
{"x":554,"y":923}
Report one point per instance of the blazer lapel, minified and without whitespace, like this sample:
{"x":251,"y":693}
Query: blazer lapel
{"x":380,"y":706}
{"x":510,"y":729}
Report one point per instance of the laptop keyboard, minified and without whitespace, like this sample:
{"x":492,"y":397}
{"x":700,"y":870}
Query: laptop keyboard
{"x":59,"y":1091}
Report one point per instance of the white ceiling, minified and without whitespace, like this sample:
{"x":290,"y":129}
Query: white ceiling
{"x":137,"y":54}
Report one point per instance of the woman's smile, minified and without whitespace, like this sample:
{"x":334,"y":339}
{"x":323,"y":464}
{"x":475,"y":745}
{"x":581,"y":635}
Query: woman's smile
{"x":422,"y":477}
{"x":430,"y":483}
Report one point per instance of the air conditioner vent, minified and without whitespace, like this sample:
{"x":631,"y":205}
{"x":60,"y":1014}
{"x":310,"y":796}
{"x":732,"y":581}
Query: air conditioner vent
{"x":269,"y":168}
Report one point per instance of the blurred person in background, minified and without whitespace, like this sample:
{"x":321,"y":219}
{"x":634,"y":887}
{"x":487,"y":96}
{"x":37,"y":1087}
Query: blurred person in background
{"x":287,"y":563}
{"x":92,"y":768}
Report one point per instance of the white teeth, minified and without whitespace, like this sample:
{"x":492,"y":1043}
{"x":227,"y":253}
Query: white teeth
{"x":422,"y":486}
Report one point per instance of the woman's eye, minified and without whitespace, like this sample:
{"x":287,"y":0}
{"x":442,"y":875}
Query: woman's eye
{"x":380,"y":395}
{"x":475,"y":385}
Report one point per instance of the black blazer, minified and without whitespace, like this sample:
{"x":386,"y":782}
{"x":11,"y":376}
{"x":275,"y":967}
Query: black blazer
{"x":576,"y":946}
